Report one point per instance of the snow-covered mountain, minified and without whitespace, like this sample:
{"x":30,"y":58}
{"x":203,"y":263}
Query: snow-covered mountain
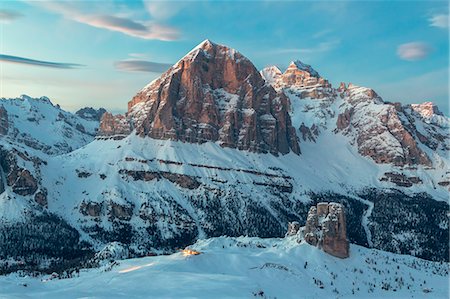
{"x":32,"y":130}
{"x":245,"y":268}
{"x":36,"y":125}
{"x":213,"y":147}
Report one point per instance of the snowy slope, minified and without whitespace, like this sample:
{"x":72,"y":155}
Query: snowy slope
{"x":247,"y":268}
{"x":37,"y":124}
{"x":33,"y":130}
{"x":111,"y":184}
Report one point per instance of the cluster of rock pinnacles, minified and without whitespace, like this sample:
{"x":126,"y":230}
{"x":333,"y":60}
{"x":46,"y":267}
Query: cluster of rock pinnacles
{"x":325,"y":228}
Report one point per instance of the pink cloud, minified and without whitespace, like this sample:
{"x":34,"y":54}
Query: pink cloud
{"x":413,"y":51}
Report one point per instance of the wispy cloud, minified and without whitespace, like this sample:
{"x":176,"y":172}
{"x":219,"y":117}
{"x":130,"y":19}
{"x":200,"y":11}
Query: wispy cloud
{"x":321,"y":47}
{"x":28,"y":61}
{"x":7,"y":16}
{"x":163,"y":10}
{"x":135,"y":65}
{"x":139,"y":55}
{"x":413,"y":51}
{"x":334,"y":8}
{"x":440,"y":20}
{"x":147,"y":29}
{"x":322,"y":33}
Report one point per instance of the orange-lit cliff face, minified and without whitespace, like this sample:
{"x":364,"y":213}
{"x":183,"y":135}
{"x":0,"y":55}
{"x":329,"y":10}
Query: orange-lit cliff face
{"x":214,"y":93}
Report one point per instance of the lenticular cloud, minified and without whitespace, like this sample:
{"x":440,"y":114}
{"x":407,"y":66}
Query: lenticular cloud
{"x":413,"y":51}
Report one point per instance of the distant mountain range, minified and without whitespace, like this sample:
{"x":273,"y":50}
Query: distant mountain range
{"x":215,"y":147}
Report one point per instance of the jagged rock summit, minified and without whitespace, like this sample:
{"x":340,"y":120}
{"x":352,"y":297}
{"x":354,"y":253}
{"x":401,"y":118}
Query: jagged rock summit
{"x":388,"y":133}
{"x":325,"y":228}
{"x":301,"y":78}
{"x":90,"y":113}
{"x":37,"y":124}
{"x":297,"y":65}
{"x":426,"y":110}
{"x":216,"y":94}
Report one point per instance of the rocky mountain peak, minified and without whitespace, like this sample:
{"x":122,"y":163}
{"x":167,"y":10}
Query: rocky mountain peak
{"x":426,"y":110}
{"x":273,"y":69}
{"x":300,"y":79}
{"x":271,"y":74}
{"x":90,"y":113}
{"x":214,"y":93}
{"x":26,"y":98}
{"x":385,"y":131}
{"x":206,"y":44}
{"x":342,"y":87}
{"x":358,"y":94}
{"x":53,"y":130}
{"x":298,"y":65}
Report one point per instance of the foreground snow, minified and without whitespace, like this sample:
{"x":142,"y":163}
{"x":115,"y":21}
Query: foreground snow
{"x":247,"y":268}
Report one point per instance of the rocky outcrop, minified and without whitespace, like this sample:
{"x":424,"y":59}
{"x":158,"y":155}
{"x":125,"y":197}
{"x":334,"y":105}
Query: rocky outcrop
{"x":391,"y":124}
{"x":183,"y":180}
{"x":120,"y":211}
{"x":300,"y":78}
{"x":114,"y":125}
{"x":4,"y":124}
{"x":342,"y":87}
{"x":380,"y":130}
{"x":400,"y":179}
{"x":426,"y":110}
{"x":89,"y":113}
{"x":309,"y":133}
{"x":433,"y":127}
{"x":215,"y":94}
{"x":113,"y":251}
{"x":41,"y":198}
{"x":302,"y":75}
{"x":325,"y":228}
{"x":343,"y":120}
{"x":92,"y":209}
{"x":293,"y":229}
{"x":21,"y":180}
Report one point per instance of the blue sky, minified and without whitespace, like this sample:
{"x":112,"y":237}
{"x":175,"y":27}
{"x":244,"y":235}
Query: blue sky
{"x":100,"y":53}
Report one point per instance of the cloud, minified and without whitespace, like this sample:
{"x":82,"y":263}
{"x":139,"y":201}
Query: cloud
{"x":163,"y":10}
{"x":322,"y":33}
{"x":134,"y":65}
{"x":138,"y":55}
{"x":321,"y":47}
{"x":130,"y":27}
{"x":28,"y":61}
{"x":141,"y":29}
{"x":413,"y":51}
{"x":441,"y":21}
{"x":7,"y":16}
{"x":335,"y":8}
